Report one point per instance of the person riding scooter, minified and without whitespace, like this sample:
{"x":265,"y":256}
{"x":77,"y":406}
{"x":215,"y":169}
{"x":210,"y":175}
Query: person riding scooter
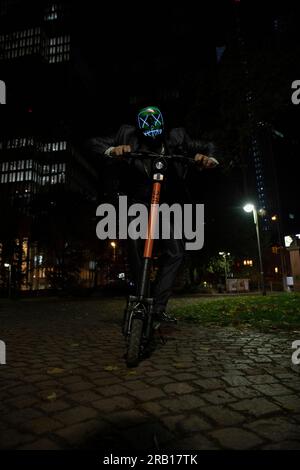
{"x":150,"y":135}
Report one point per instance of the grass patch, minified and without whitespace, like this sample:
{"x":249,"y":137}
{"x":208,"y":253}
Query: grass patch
{"x":265,"y":312}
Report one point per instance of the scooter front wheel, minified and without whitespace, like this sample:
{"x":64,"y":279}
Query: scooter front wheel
{"x":134,"y":343}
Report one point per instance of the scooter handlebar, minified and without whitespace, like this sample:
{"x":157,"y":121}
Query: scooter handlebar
{"x":146,"y":155}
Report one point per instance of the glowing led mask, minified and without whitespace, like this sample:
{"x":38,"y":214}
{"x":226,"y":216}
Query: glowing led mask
{"x":150,"y":121}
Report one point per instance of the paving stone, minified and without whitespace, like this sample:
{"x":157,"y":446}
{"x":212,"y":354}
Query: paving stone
{"x":70,"y":379}
{"x":275,"y":429}
{"x":23,"y":401}
{"x":294,"y":385}
{"x":127,"y":418}
{"x":194,"y":423}
{"x":283,"y":445}
{"x":148,"y":436}
{"x":262,"y":379}
{"x":236,"y":438}
{"x":184,"y":377}
{"x":77,"y":434}
{"x":76,"y":415}
{"x":218,"y":397}
{"x":22,"y":390}
{"x":178,"y":388}
{"x":223,"y":416}
{"x":242,"y":392}
{"x":21,"y":416}
{"x":41,"y":425}
{"x":148,"y":394}
{"x":47,"y":384}
{"x":272,"y":390}
{"x":40,"y":444}
{"x":136,"y":385}
{"x":35,"y":378}
{"x":289,"y":402}
{"x":53,"y":406}
{"x":109,"y":405}
{"x":160,"y":380}
{"x":184,"y":424}
{"x":172,"y":422}
{"x":255,"y":406}
{"x":111,"y":390}
{"x":108,"y":381}
{"x":187,"y":402}
{"x":12,"y":438}
{"x":209,"y":384}
{"x":235,"y":380}
{"x":154,"y":408}
{"x":209,"y":373}
{"x":195,"y":442}
{"x":78,"y":386}
{"x":86,"y":396}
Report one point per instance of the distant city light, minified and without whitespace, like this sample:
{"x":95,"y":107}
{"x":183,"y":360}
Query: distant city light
{"x":274,"y":217}
{"x":113,"y":244}
{"x":276,"y":270}
{"x":262,"y":212}
{"x":248,"y":262}
{"x":288,"y":240}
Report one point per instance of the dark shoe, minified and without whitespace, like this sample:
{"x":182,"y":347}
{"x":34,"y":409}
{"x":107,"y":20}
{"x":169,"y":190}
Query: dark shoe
{"x":164,"y":317}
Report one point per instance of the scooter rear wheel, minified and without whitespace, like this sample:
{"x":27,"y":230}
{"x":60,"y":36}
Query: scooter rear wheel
{"x":134,"y":343}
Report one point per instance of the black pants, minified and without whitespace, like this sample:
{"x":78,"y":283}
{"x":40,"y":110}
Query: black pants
{"x":172,"y":255}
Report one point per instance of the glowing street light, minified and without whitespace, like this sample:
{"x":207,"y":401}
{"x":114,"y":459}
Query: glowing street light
{"x":114,"y":245}
{"x":251,"y":208}
{"x":7,"y":265}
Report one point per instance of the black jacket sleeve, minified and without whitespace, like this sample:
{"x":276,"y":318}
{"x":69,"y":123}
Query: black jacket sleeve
{"x":126,"y":135}
{"x":180,"y":141}
{"x":96,"y":146}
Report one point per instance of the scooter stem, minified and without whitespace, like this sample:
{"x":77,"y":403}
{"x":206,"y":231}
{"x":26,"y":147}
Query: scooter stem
{"x":152,"y":219}
{"x":148,"y":248}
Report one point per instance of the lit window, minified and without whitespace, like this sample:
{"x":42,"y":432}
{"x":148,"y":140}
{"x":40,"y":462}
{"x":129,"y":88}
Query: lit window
{"x":45,"y":180}
{"x":61,"y":177}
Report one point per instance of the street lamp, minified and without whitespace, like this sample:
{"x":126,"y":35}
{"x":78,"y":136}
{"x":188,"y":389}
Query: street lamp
{"x":114,"y":245}
{"x":222,"y":253}
{"x":7,"y":265}
{"x":251,"y":208}
{"x":276,"y":219}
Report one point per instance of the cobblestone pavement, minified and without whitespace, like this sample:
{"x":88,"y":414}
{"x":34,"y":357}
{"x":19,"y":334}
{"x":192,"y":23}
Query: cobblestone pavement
{"x":65,"y":384}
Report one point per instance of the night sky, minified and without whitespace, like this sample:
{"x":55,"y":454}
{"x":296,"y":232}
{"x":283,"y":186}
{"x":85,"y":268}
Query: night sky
{"x":128,"y":55}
